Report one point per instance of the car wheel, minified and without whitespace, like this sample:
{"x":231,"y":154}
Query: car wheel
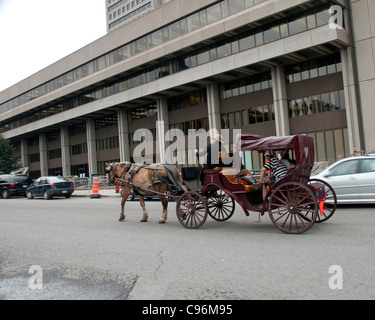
{"x":46,"y":196}
{"x":67,"y":196}
{"x":29,"y":195}
{"x":130,"y":197}
{"x":5,"y":194}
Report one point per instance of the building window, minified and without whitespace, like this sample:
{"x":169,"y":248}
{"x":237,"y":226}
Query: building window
{"x":319,"y":103}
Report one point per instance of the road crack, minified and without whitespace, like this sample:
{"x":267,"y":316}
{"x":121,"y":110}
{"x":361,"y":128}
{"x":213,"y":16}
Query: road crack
{"x":161,"y":262}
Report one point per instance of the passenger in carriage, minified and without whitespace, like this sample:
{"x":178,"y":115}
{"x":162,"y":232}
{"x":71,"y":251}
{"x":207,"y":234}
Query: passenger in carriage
{"x":277,"y":170}
{"x":285,"y":159}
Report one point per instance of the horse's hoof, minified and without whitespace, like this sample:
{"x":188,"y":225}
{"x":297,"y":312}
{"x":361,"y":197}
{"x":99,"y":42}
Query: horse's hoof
{"x":144,"y":220}
{"x":121,"y":219}
{"x":161,"y":221}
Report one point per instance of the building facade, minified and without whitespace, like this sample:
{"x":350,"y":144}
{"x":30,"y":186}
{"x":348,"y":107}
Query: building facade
{"x":267,"y":67}
{"x":121,"y":12}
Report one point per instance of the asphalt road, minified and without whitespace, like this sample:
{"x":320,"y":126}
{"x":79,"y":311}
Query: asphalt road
{"x":77,"y":249}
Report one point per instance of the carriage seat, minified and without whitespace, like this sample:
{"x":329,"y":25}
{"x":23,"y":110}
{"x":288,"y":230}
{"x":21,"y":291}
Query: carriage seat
{"x":230,"y":175}
{"x":214,"y":170}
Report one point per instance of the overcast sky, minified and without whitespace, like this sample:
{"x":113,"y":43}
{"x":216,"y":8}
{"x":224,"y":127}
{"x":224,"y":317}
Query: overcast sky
{"x":37,"y":33}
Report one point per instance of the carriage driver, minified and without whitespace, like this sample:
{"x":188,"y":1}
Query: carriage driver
{"x":212,"y":151}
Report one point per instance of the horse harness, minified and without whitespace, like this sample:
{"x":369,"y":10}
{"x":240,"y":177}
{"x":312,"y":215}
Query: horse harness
{"x":132,"y":169}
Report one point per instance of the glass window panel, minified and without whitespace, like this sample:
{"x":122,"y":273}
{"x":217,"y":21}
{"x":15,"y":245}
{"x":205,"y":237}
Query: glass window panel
{"x":323,"y":17}
{"x":272,"y":34}
{"x":247,"y":42}
{"x":165,"y":34}
{"x":342,"y":99}
{"x":249,"y":3}
{"x":257,"y":86}
{"x":291,"y":107}
{"x":311,"y":20}
{"x":297,"y":25}
{"x":237,"y":119}
{"x":157,"y":37}
{"x":235,"y":46}
{"x":252,"y":116}
{"x":326,"y":106}
{"x":100,"y":63}
{"x":271,"y":110}
{"x":224,"y":121}
{"x":213,"y":54}
{"x":339,"y":144}
{"x":331,"y":65}
{"x":259,"y":37}
{"x":231,"y":120}
{"x":174,"y":30}
{"x":339,"y":66}
{"x":335,"y":100}
{"x":259,"y":114}
{"x":224,"y":50}
{"x":203,"y":57}
{"x":224,"y":9}
{"x":140,"y":45}
{"x":284,"y":30}
{"x":242,"y":88}
{"x":320,"y":146}
{"x":322,"y":67}
{"x":267,"y":113}
{"x":309,"y":104}
{"x":313,"y":69}
{"x":245,"y":117}
{"x":193,"y":22}
{"x":213,"y":13}
{"x":250,"y":88}
{"x":90,"y":68}
{"x":203,"y":17}
{"x":299,"y":107}
{"x":236,"y":6}
{"x":305,"y":74}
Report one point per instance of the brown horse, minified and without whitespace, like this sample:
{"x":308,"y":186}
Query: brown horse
{"x":138,"y":178}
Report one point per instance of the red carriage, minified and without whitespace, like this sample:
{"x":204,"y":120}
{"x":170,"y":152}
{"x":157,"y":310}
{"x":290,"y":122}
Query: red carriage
{"x":293,"y":203}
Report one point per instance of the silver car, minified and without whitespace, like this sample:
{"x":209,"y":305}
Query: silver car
{"x":353,"y":179}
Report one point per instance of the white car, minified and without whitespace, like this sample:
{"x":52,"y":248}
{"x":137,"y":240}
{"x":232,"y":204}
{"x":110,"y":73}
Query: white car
{"x":353,"y":179}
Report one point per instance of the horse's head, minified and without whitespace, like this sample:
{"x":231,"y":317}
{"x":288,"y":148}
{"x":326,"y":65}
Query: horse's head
{"x":110,"y":170}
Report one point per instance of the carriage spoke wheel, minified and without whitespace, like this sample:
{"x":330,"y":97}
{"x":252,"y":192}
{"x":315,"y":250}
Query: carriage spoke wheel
{"x":220,"y":206}
{"x":191,"y":210}
{"x":293,"y":207}
{"x":330,"y":203}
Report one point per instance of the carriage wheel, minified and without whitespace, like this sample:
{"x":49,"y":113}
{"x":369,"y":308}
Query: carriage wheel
{"x":191,"y":210}
{"x":220,"y":206}
{"x":293,"y":207}
{"x":329,"y":205}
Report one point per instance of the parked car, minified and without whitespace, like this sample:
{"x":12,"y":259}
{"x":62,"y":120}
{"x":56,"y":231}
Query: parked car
{"x":48,"y":187}
{"x":353,"y":179}
{"x":13,"y":185}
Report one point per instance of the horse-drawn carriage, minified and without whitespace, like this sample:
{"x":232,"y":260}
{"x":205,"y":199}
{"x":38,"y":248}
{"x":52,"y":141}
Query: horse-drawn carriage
{"x":293,"y":203}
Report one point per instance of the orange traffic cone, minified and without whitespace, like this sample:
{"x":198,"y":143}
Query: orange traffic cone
{"x":95,"y":189}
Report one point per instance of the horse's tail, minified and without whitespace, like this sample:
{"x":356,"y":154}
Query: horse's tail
{"x":175,"y":178}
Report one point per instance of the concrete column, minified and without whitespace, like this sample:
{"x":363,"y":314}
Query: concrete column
{"x":123,"y":134}
{"x":352,"y":100}
{"x":162,"y":128}
{"x":91,"y":146}
{"x":24,"y":152}
{"x":65,"y":152}
{"x":213,"y":101}
{"x":43,"y":154}
{"x":280,"y":101}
